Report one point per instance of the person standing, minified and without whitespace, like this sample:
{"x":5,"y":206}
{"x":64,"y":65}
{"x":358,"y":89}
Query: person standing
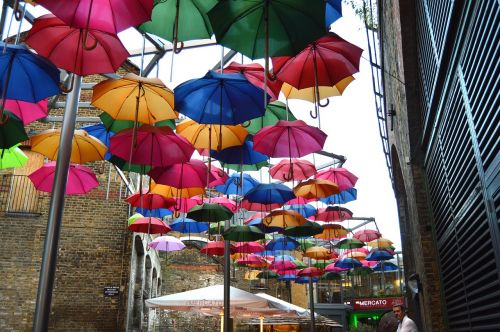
{"x":406,"y":324}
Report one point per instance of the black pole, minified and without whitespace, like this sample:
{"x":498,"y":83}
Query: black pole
{"x":227,"y":281}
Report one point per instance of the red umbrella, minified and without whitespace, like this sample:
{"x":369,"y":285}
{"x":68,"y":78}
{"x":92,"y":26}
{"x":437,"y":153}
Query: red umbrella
{"x":248,"y":247}
{"x":27,"y":112}
{"x":299,"y":200}
{"x":229,"y":203}
{"x":219,"y":176}
{"x":310,"y":272}
{"x":185,"y":204}
{"x":149,"y":200}
{"x":367,"y":235}
{"x":149,"y":226}
{"x":294,"y":169}
{"x":106,"y":15}
{"x":332,"y":213}
{"x":250,"y":206}
{"x":215,"y":248}
{"x":341,"y":176}
{"x":63,"y":45}
{"x":81,"y":179}
{"x":156,"y":146}
{"x":190,"y":174}
{"x":289,"y":139}
{"x":254,"y":73}
{"x":253,"y":261}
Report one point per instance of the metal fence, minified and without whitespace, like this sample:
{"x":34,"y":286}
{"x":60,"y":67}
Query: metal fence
{"x":18,"y":196}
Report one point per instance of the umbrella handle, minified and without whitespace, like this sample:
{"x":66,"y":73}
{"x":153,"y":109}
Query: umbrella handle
{"x":314,"y":115}
{"x":176,"y":49}
{"x":325,"y":104}
{"x":246,"y":124}
{"x":63,"y":87}
{"x":3,"y":119}
{"x":84,"y":42}
{"x":18,"y":13}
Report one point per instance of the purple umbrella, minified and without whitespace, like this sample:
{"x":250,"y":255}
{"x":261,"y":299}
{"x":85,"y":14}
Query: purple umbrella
{"x":166,"y":243}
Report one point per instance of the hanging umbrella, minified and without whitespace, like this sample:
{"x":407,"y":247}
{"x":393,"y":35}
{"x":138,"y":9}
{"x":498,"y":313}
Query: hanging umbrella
{"x":238,"y":184}
{"x":341,"y":176}
{"x":334,"y":269}
{"x":80,"y":181}
{"x":215,"y":248}
{"x":85,"y":148}
{"x":156,"y":213}
{"x":354,"y":254}
{"x":166,"y":243}
{"x":216,"y":228}
{"x":149,"y":225}
{"x":149,"y":200}
{"x":218,"y":175}
{"x":348,"y":263}
{"x":306,"y":210}
{"x":258,"y":223}
{"x":243,"y":233}
{"x":299,"y":200}
{"x":367,"y":235}
{"x":11,"y":131}
{"x":125,"y":166}
{"x":114,"y":125}
{"x":252,"y":261}
{"x":333,"y":213}
{"x":287,"y":277}
{"x":289,"y":139}
{"x":247,"y":168}
{"x":305,"y":280}
{"x":275,"y":111}
{"x":189,"y":174}
{"x":184,"y":204}
{"x":315,"y":188}
{"x":344,"y":196}
{"x":156,"y":146}
{"x":304,"y":244}
{"x":331,"y":276}
{"x":134,"y":217}
{"x":282,"y":265}
{"x":385,"y":267}
{"x":210,"y":212}
{"x":282,"y":243}
{"x":12,"y":157}
{"x":186,"y":225}
{"x":310,"y":272}
{"x":228,"y":203}
{"x":110,"y":16}
{"x":312,"y":94}
{"x":267,"y":275}
{"x":27,"y":112}
{"x":135,"y":98}
{"x":214,"y":137}
{"x":171,"y":192}
{"x":379,"y":255}
{"x":66,"y":48}
{"x":333,"y":11}
{"x":317,"y":253}
{"x":258,"y":215}
{"x":380,"y":243}
{"x":180,"y":20}
{"x":360,"y":271}
{"x":252,"y":206}
{"x":306,"y":229}
{"x":241,"y":154}
{"x":283,"y":219}
{"x":331,"y":232}
{"x":268,"y":193}
{"x":293,"y":169}
{"x":349,"y":244}
{"x":249,"y":247}
{"x":217,"y":98}
{"x":99,"y":131}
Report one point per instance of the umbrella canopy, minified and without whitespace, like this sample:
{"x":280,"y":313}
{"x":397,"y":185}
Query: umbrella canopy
{"x":134,"y":217}
{"x":348,"y":263}
{"x":315,"y":188}
{"x":281,"y":265}
{"x":367,"y":235}
{"x":27,"y":112}
{"x":317,"y":253}
{"x":380,"y":243}
{"x":228,"y":203}
{"x":106,"y":15}
{"x":166,"y":243}
{"x":344,"y":196}
{"x":268,"y":193}
{"x":275,"y":111}
{"x":215,"y":248}
{"x":306,"y":210}
{"x":254,"y":28}
{"x":243,"y":233}
{"x":189,"y":174}
{"x":149,"y":225}
{"x":341,"y":176}
{"x":247,"y":168}
{"x":184,"y":204}
{"x":124,"y":165}
{"x":331,"y":276}
{"x":238,"y":184}
{"x":267,"y":275}
{"x":252,"y":261}
{"x":385,"y":266}
{"x":156,"y":146}
{"x":64,"y":46}
{"x":332,"y":231}
{"x":11,"y":131}
{"x":169,"y":192}
{"x":149,"y":200}
{"x":84,"y":147}
{"x":213,"y":137}
{"x":12,"y":157}
{"x":283,"y":219}
{"x":293,"y":169}
{"x":100,"y":132}
{"x":156,"y":213}
{"x":305,"y":280}
{"x":313,"y":93}
{"x":349,"y":244}
{"x":220,"y":99}
{"x":310,"y":272}
{"x":282,"y":243}
{"x":333,"y":213}
{"x":287,"y":277}
{"x":218,"y":175}
{"x":379,"y":255}
{"x":186,"y":225}
{"x":334,"y":269}
{"x":210,"y":212}
{"x":135,"y":98}
{"x":80,"y":181}
{"x":289,"y":139}
{"x":306,"y":229}
{"x":249,"y":247}
{"x":333,"y":11}
{"x":241,"y":154}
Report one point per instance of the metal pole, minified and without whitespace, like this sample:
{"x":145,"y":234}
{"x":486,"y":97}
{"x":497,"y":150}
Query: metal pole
{"x":49,"y":258}
{"x":227,"y":281}
{"x":311,"y":302}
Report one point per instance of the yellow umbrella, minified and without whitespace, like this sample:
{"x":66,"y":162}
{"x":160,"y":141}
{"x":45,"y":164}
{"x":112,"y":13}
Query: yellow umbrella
{"x":316,"y":188}
{"x":85,"y":148}
{"x":119,"y":98}
{"x":204,"y":136}
{"x":284,"y":218}
{"x":252,"y":274}
{"x":380,"y":243}
{"x":171,"y":192}
{"x":332,"y":231}
{"x":307,"y":94}
{"x":355,"y":254}
{"x":317,"y":253}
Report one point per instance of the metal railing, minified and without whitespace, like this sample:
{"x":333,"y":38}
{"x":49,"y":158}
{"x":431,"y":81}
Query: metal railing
{"x":18,"y":196}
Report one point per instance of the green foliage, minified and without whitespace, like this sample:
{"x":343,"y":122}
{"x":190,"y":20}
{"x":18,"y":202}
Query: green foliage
{"x":366,"y":10}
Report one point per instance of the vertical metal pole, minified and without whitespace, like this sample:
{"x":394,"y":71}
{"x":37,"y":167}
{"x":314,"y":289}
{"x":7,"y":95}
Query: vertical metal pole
{"x":227,"y":281}
{"x":311,"y":302}
{"x":49,"y":258}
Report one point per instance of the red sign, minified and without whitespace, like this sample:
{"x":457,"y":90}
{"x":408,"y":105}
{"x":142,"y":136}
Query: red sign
{"x":375,"y":303}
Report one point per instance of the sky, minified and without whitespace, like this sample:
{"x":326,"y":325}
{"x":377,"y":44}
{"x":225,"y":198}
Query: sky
{"x":350,"y":120}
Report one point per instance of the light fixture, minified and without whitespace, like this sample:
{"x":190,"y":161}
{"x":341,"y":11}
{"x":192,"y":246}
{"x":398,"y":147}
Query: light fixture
{"x":414,"y":283}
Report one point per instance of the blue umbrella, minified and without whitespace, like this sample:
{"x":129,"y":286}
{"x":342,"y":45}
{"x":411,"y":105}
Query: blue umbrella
{"x":348,"y":263}
{"x":306,"y":210}
{"x":235,"y":186}
{"x":282,"y":243}
{"x":218,"y":98}
{"x":156,"y":213}
{"x":305,"y":280}
{"x":385,"y":267}
{"x":26,"y":76}
{"x":287,"y":277}
{"x":284,"y":258}
{"x":343,"y":197}
{"x":379,"y":255}
{"x":243,"y":154}
{"x":100,"y":132}
{"x":268,"y":193}
{"x":333,"y":11}
{"x":186,"y":225}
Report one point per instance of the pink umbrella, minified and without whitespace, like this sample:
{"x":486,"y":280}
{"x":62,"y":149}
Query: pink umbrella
{"x":110,"y":16}
{"x":367,"y":235}
{"x":219,"y":177}
{"x":27,"y":112}
{"x":149,"y":225}
{"x":81,"y":179}
{"x":253,"y":260}
{"x":282,"y":265}
{"x":332,"y":213}
{"x":185,"y":204}
{"x":289,"y":139}
{"x":295,"y":169}
{"x":183,"y":175}
{"x":368,"y":263}
{"x":310,"y":272}
{"x":248,"y":247}
{"x":156,"y":146}
{"x":166,"y":243}
{"x":341,"y":176}
{"x":250,"y":206}
{"x":215,"y":248}
{"x":299,"y":200}
{"x":229,"y":203}
{"x":149,"y":200}
{"x":332,"y":268}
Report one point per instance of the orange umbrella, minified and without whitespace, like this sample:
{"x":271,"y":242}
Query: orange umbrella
{"x":317,"y":253}
{"x":332,"y":231}
{"x":146,"y":100}
{"x":316,"y":188}
{"x":170,"y":192}
{"x":308,"y":94}
{"x":283,"y":219}
{"x":380,"y":243}
{"x":84,"y":148}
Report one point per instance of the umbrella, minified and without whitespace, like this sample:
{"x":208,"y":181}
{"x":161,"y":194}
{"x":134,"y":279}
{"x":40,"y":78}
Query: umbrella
{"x":306,"y":229}
{"x":380,"y":243}
{"x":317,"y":253}
{"x":333,"y":11}
{"x":249,"y":247}
{"x":282,"y":243}
{"x":344,"y":196}
{"x":310,"y":272}
{"x":238,"y":184}
{"x":149,"y":200}
{"x":188,"y":174}
{"x":335,"y":269}
{"x":12,"y":157}
{"x":379,"y":255}
{"x":134,"y":217}
{"x":341,"y":176}
{"x":282,"y":265}
{"x":135,"y":98}
{"x":148,"y":145}
{"x":168,"y":191}
{"x":306,"y":210}
{"x":215,"y":248}
{"x":114,"y":125}
{"x":349,"y":244}
{"x":304,"y":244}
{"x":385,"y":267}
{"x":211,"y":136}
{"x":219,"y":98}
{"x":184,"y":204}
{"x":27,"y":112}
{"x":315,"y":188}
{"x":11,"y":131}
{"x":186,"y":225}
{"x":267,"y":193}
{"x":354,"y":254}
{"x":258,"y":223}
{"x":166,"y":243}
{"x":313,"y":93}
{"x":179,"y":21}
{"x":251,"y":206}
{"x":331,"y":276}
{"x":367,"y":235}
{"x":219,"y":176}
{"x":149,"y":225}
{"x":247,"y":168}
{"x":289,"y":139}
{"x":283,"y":219}
{"x":299,"y":200}
{"x":243,"y":233}
{"x":287,"y":277}
{"x":81,"y":179}
{"x":84,"y":147}
{"x":252,"y":261}
{"x":360,"y":271}
{"x":210,"y":212}
{"x":293,"y":169}
{"x":64,"y":46}
{"x":241,"y":154}
{"x":106,"y":15}
{"x":228,"y":203}
{"x":267,"y":275}
{"x":331,"y":232}
{"x":305,"y":280}
{"x":100,"y":132}
{"x":156,"y":213}
{"x":275,"y":111}
{"x":348,"y":263}
{"x":125,"y":166}
{"x":333,"y":213}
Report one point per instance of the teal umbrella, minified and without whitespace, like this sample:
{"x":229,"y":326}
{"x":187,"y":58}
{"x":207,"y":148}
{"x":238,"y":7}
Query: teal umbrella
{"x":210,"y":212}
{"x":246,"y":168}
{"x":12,"y":157}
{"x":243,"y":233}
{"x":275,"y":111}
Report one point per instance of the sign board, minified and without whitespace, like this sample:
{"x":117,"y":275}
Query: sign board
{"x":375,"y":303}
{"x":110,"y":291}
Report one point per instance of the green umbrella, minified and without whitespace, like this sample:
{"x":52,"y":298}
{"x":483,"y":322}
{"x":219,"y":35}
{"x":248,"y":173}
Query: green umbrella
{"x":243,"y":233}
{"x":275,"y":111}
{"x":267,"y":275}
{"x":249,"y":26}
{"x":300,"y":264}
{"x":308,"y":228}
{"x":11,"y":131}
{"x":350,"y":243}
{"x":216,"y":228}
{"x":360,"y":271}
{"x":115,"y":126}
{"x":321,"y":264}
{"x":12,"y":157}
{"x":180,"y":20}
{"x":165,"y":123}
{"x":246,"y":168}
{"x":125,"y":166}
{"x":209,"y":212}
{"x":306,"y":244}
{"x":331,"y":276}
{"x":134,"y":217}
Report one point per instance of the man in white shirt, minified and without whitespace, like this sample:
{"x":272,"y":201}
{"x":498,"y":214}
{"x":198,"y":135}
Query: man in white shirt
{"x":405,"y":322}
